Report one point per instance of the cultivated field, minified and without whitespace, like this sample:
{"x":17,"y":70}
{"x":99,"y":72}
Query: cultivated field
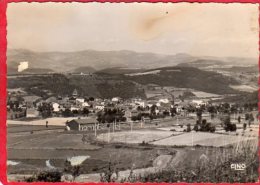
{"x":136,"y":136}
{"x":146,"y":149}
{"x":203,"y":139}
{"x":176,"y":136}
{"x":55,"y":121}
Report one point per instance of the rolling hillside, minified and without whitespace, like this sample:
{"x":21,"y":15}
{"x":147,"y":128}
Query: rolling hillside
{"x":67,"y":61}
{"x":107,"y":85}
{"x":187,"y":77}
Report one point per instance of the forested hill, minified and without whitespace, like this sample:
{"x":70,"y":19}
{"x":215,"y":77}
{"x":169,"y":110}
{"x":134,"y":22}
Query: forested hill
{"x":107,"y":85}
{"x":187,"y":77}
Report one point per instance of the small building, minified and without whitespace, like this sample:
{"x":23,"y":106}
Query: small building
{"x":75,"y":93}
{"x":116,"y":99}
{"x":51,"y":99}
{"x":31,"y":101}
{"x":56,"y":107}
{"x":164,"y":100}
{"x":32,"y":113}
{"x":85,"y":104}
{"x":83,"y":124}
{"x":100,"y":107}
{"x":80,"y":100}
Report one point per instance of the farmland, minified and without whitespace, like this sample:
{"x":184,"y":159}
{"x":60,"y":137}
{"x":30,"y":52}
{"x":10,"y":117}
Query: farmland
{"x":145,"y":150}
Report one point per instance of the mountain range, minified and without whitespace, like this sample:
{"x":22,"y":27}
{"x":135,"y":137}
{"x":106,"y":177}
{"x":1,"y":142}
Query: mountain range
{"x":89,"y":61}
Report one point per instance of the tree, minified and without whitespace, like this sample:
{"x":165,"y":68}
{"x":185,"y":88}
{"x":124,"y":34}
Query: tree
{"x":45,"y":109}
{"x":67,"y":113}
{"x":111,"y":174}
{"x":45,"y":176}
{"x":228,"y":126}
{"x":173,"y":111}
{"x":188,"y":128}
{"x":239,"y":119}
{"x":73,"y":170}
{"x":85,"y":111}
{"x":153,"y":108}
{"x":199,"y":115}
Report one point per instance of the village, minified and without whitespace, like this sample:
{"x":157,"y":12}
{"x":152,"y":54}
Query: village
{"x":80,"y":125}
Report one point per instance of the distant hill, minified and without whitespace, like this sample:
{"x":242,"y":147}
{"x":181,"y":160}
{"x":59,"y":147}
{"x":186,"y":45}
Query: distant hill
{"x":187,"y":77}
{"x":63,"y":85}
{"x":120,"y":70}
{"x":203,"y":63}
{"x":29,"y":71}
{"x":67,"y":61}
{"x":221,"y":64}
{"x":84,"y":70}
{"x":241,"y":69}
{"x":100,"y":60}
{"x":127,"y":85}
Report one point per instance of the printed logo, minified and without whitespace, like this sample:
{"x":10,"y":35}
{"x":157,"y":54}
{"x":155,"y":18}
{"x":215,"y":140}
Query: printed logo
{"x":238,"y":166}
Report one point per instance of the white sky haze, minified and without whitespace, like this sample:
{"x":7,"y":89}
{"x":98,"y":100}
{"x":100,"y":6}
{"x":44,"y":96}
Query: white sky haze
{"x":208,"y":29}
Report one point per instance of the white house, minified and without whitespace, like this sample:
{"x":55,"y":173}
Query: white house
{"x":115,"y":99}
{"x":56,"y":107}
{"x":99,"y":107}
{"x":85,"y":104}
{"x":74,"y":108}
{"x":32,"y":113}
{"x":140,"y":103}
{"x":164,"y":100}
{"x":80,"y":100}
{"x":199,"y":102}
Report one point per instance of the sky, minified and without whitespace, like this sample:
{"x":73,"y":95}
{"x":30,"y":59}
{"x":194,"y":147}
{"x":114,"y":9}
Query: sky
{"x":209,"y":29}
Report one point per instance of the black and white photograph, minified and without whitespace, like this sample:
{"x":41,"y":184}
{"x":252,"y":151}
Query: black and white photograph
{"x":132,"y":92}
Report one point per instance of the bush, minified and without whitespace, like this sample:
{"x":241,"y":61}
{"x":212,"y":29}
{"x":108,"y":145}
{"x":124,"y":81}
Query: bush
{"x":230,"y":127}
{"x":188,"y":128}
{"x":46,"y":176}
{"x":212,"y":129}
{"x":196,"y":127}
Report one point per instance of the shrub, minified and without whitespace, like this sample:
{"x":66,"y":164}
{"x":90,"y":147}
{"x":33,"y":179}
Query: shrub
{"x":230,"y":127}
{"x":196,"y":127}
{"x":188,"y":128}
{"x":46,"y":176}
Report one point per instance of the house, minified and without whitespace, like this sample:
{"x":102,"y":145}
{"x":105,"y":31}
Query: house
{"x":75,"y":93}
{"x":198,"y":102}
{"x":116,"y":99}
{"x":128,"y":115}
{"x":83,"y":124}
{"x":139,"y":102}
{"x":74,"y":108}
{"x":80,"y":100}
{"x":51,"y":99}
{"x":164,"y":100}
{"x":85,"y":104}
{"x":32,"y":113}
{"x":31,"y":100}
{"x":56,"y":107}
{"x":153,"y":87}
{"x":99,"y":107}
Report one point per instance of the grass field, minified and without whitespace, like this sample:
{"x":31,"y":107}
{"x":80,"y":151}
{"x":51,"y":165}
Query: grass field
{"x":166,"y":137}
{"x":55,"y":121}
{"x":28,"y":128}
{"x":135,"y":136}
{"x":50,"y":139}
{"x":203,"y":139}
{"x":29,"y":152}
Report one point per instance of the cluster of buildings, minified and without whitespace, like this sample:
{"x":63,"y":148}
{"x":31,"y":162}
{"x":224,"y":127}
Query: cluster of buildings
{"x":24,"y":105}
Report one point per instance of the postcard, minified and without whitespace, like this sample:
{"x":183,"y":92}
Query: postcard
{"x":132,"y":92}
